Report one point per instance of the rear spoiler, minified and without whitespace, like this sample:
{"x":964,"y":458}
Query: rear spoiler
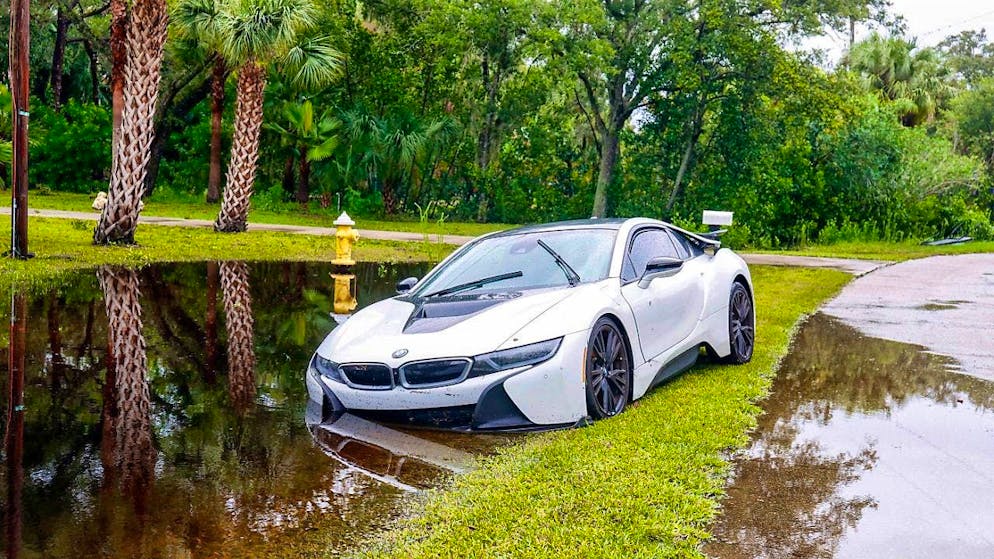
{"x":714,"y":220}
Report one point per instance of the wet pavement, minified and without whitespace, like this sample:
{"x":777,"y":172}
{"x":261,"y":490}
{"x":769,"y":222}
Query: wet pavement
{"x":164,"y":415}
{"x":945,"y":303}
{"x":866,"y":448}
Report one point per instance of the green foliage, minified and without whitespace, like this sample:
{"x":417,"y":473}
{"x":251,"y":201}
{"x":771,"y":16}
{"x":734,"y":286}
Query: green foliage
{"x":480,"y":107}
{"x":72,"y":149}
{"x":973,"y":112}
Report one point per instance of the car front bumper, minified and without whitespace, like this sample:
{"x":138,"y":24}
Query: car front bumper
{"x":549,"y":394}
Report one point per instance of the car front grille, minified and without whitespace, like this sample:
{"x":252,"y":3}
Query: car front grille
{"x":436,"y":372}
{"x":371,"y":376}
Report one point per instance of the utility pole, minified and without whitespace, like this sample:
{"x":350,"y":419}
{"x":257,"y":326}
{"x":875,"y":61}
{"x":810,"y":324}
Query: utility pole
{"x":20,"y":21}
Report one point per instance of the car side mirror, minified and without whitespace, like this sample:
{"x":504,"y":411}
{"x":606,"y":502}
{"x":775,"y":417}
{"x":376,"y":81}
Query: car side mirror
{"x":660,"y":267}
{"x":405,"y":285}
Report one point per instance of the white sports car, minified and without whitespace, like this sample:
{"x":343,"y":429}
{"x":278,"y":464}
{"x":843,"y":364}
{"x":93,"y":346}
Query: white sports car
{"x":538,"y":327}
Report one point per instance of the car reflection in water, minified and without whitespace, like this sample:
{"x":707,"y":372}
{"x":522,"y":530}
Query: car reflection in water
{"x":404,"y":461}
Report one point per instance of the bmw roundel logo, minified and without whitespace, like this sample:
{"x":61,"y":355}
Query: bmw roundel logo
{"x":399,"y":353}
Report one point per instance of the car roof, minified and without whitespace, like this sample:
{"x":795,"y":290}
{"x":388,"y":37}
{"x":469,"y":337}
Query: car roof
{"x":593,"y":223}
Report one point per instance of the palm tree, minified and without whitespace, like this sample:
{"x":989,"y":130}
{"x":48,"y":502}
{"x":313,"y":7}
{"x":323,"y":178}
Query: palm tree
{"x":914,"y":79}
{"x":395,"y":145}
{"x":254,"y":33}
{"x":198,"y":20}
{"x":311,"y":139}
{"x":145,"y":37}
{"x":133,"y":453}
{"x":239,"y":325}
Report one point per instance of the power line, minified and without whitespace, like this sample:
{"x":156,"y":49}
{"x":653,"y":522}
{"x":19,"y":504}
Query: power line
{"x":956,"y":24}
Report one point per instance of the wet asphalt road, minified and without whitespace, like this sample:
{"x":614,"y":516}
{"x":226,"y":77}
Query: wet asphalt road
{"x":878,"y":437}
{"x":944,"y":303}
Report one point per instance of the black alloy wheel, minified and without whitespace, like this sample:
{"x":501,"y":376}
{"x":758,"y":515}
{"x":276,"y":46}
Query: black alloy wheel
{"x":741,"y":324}
{"x":609,"y":370}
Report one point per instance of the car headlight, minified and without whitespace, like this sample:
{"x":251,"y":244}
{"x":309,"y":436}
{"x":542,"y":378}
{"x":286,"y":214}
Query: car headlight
{"x":326,"y":368}
{"x":514,"y":357}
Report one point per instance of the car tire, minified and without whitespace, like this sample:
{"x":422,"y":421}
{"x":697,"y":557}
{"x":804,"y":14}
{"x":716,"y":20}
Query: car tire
{"x":608,"y":369}
{"x":741,"y":325}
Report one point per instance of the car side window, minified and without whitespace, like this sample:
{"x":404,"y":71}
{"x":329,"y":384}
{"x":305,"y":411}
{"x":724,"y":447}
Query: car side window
{"x":646,"y":245}
{"x":686,"y":248}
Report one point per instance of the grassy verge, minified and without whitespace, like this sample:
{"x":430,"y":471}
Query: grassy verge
{"x":63,"y":245}
{"x":293,"y":215}
{"x":880,"y":250}
{"x":644,"y":484}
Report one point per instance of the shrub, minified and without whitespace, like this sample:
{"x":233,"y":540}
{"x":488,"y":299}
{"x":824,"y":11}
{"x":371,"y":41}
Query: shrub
{"x":72,"y":153}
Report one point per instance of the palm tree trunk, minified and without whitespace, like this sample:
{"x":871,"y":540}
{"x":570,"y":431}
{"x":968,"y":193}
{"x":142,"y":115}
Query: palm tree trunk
{"x":119,"y":58}
{"x":217,"y":112}
{"x":134,"y":451}
{"x":239,"y":325}
{"x":288,"y":179}
{"x":244,"y":149}
{"x":146,"y":36}
{"x":304,"y":181}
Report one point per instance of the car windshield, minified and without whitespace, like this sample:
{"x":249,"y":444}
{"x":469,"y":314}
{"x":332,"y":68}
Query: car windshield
{"x":587,"y":251}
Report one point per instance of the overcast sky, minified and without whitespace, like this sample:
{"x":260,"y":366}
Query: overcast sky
{"x":929,"y":20}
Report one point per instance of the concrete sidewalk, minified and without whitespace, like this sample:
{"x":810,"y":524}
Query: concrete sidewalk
{"x":852,"y":266}
{"x":295,"y":229}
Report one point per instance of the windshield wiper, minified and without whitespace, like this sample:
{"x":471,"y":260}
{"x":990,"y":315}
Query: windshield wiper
{"x":571,"y":275}
{"x":474,"y":284}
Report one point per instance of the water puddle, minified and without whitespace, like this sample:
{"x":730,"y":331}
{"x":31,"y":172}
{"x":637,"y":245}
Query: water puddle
{"x":164,"y":415}
{"x":866,"y":448}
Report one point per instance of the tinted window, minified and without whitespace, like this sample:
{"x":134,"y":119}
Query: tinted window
{"x":686,"y":248}
{"x":587,"y":251}
{"x":646,"y":245}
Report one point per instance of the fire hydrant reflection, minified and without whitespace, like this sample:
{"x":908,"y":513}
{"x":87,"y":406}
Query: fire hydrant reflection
{"x":345,"y":238}
{"x":345,"y":296}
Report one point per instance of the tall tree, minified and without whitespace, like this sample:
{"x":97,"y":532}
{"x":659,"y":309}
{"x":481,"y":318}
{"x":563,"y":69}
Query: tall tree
{"x":198,"y":20}
{"x":145,"y":39}
{"x":253,"y":34}
{"x":624,"y":53}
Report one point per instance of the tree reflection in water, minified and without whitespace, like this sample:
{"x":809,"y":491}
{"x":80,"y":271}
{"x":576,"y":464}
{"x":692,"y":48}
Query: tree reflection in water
{"x":132,"y":453}
{"x":239,"y":325}
{"x":789,"y":497}
{"x":127,"y":368}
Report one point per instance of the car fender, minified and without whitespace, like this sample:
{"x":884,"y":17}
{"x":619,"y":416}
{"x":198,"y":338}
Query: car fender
{"x":577,"y":313}
{"x":726,"y":267}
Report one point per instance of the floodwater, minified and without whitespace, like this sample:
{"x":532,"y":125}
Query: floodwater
{"x":866,"y":448}
{"x":164,"y":414}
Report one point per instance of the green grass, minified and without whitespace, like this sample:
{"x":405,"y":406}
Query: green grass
{"x":882,"y":250}
{"x":644,"y":484}
{"x":63,"y":245}
{"x":294,"y":215}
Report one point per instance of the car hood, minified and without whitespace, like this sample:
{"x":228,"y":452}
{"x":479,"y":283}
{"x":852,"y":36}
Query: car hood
{"x":459,"y":326}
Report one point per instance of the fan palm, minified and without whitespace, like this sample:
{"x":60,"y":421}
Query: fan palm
{"x":395,"y":145}
{"x":915,"y":80}
{"x":145,"y":37}
{"x":197,"y":20}
{"x":253,"y":34}
{"x":312,"y":138}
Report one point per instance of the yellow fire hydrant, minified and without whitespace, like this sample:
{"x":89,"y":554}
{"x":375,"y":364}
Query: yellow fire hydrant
{"x":345,"y":294}
{"x":345,"y":238}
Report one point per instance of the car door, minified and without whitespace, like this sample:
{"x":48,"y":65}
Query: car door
{"x":668,"y":309}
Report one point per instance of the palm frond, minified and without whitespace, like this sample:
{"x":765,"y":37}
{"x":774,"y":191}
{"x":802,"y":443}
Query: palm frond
{"x":312,"y":63}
